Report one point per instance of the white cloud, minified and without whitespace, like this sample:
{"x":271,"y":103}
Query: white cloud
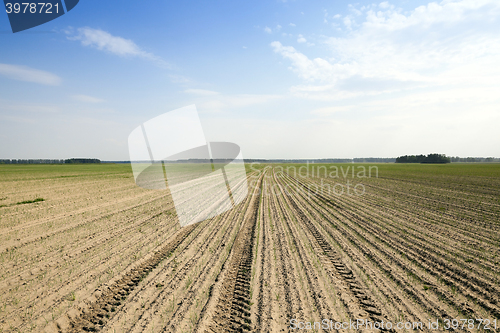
{"x":438,"y":45}
{"x":201,"y":92}
{"x":24,"y":73}
{"x":87,"y":99}
{"x":301,"y":39}
{"x":354,"y":10}
{"x":317,"y":69}
{"x":458,"y":12}
{"x":104,"y":41}
{"x":347,"y":22}
{"x":292,"y":24}
{"x":278,"y":27}
{"x":268,"y":30}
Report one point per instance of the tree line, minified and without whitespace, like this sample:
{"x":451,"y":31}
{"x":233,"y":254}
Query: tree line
{"x":457,"y":159}
{"x":82,"y":160}
{"x":49,"y":161}
{"x":31,"y":161}
{"x":431,"y":158}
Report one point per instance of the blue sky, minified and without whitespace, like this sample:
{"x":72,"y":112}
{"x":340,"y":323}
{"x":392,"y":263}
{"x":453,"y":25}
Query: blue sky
{"x":283,"y":79}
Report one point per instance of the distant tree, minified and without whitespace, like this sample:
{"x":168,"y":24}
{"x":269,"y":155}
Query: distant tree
{"x":431,"y":158}
{"x":374,"y":160}
{"x":436,"y":158}
{"x":82,"y":160}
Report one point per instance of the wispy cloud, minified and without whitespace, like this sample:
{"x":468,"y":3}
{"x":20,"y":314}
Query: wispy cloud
{"x":87,"y":99}
{"x":310,"y":70}
{"x":28,"y":74}
{"x":271,"y":30}
{"x":386,"y":49}
{"x":104,"y":41}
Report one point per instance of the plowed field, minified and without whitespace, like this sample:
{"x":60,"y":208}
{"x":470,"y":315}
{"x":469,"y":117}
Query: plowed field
{"x":409,"y":244}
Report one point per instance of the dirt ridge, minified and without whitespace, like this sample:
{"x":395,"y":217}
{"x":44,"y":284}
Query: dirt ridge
{"x":95,"y":317}
{"x":232,"y":312}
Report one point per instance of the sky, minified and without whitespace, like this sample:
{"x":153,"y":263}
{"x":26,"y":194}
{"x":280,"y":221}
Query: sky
{"x":280,"y":78}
